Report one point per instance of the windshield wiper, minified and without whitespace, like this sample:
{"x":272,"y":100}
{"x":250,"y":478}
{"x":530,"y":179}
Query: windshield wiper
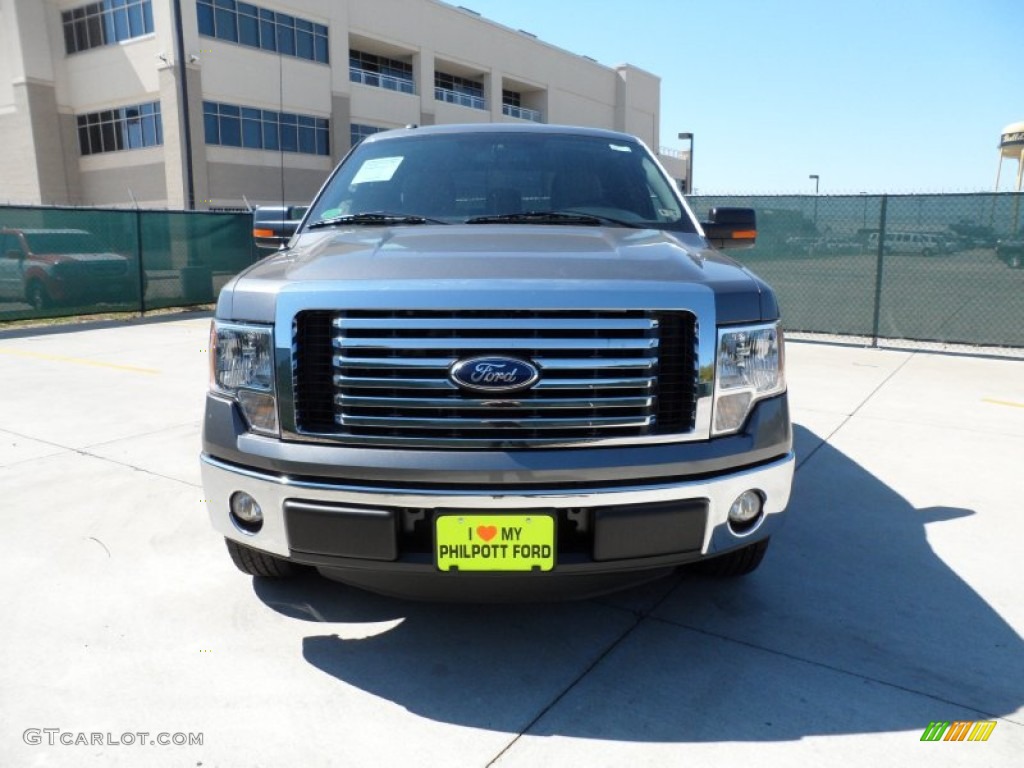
{"x":377,"y":218}
{"x":550,"y":217}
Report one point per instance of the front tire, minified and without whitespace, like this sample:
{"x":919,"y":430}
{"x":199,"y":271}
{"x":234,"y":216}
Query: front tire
{"x":738,"y":562}
{"x":255,"y":563}
{"x":37,"y":296}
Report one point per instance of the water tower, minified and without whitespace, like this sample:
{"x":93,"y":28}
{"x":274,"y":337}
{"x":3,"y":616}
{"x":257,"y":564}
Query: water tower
{"x":1011,"y":147}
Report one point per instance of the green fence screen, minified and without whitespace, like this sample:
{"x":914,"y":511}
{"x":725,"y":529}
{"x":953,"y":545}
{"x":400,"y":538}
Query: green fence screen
{"x":72,"y":261}
{"x":933,"y":268}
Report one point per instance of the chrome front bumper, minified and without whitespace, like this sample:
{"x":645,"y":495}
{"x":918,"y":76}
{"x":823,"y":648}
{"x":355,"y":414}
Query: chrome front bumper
{"x":271,"y":491}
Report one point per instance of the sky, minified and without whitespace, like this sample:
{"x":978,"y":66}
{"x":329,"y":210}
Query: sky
{"x":895,"y":96}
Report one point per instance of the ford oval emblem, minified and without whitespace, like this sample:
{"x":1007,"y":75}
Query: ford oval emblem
{"x":494,"y":374}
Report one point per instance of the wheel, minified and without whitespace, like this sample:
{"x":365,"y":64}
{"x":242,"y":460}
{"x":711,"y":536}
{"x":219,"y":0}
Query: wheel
{"x":37,"y":296}
{"x":256,"y":563}
{"x":738,"y":562}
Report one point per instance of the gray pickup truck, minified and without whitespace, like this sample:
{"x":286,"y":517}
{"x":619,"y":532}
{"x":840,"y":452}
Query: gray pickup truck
{"x":499,"y":362}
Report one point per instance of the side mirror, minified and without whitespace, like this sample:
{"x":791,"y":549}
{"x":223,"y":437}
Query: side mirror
{"x":731,"y":227}
{"x":274,"y":225}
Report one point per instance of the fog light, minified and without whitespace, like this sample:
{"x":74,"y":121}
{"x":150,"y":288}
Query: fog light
{"x":245,"y":512}
{"x":746,"y":511}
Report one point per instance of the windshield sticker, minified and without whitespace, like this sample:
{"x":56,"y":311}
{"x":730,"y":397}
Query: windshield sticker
{"x":619,"y":147}
{"x":377,"y":169}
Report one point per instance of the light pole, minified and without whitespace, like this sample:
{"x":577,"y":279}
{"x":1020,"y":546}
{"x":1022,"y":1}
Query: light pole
{"x":689,"y":163}
{"x":817,"y":181}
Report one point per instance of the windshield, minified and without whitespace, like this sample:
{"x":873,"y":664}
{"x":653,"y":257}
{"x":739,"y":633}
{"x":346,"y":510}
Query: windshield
{"x":63,"y":242}
{"x":496,"y":177}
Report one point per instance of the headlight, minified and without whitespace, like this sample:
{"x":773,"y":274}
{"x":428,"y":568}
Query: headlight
{"x":749,"y":367}
{"x":242,"y":367}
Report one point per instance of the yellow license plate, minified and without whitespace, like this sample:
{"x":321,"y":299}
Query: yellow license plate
{"x":495,"y":542}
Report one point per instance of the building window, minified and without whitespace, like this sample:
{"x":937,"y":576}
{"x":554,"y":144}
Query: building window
{"x":459,"y":90}
{"x":112,"y":130}
{"x":358,"y":132}
{"x":380,"y":72}
{"x":230,"y":125}
{"x":512,"y":106}
{"x":106,"y":23}
{"x":248,"y":24}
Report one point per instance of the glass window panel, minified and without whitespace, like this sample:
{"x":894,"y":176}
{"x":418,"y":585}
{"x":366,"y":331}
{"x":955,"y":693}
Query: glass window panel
{"x":307,"y":140}
{"x":95,"y":32}
{"x":289,"y":138}
{"x":286,"y":34}
{"x":252,"y":134}
{"x":230,"y":110}
{"x":95,"y":139}
{"x":249,"y":31}
{"x":109,"y":33}
{"x":205,"y":15}
{"x":251,"y":114}
{"x":225,"y":4}
{"x":268,"y":34}
{"x":323,"y":141}
{"x":270,"y":136}
{"x":149,"y":132}
{"x":69,"y":37}
{"x":147,"y":17}
{"x":83,"y":139}
{"x":212,"y":128}
{"x":227,"y":27}
{"x":135,"y":22}
{"x":81,"y":36}
{"x":134,"y":132}
{"x":108,"y":142}
{"x":230,"y":131}
{"x":321,"y":50}
{"x":122,"y":27}
{"x":304,"y":44}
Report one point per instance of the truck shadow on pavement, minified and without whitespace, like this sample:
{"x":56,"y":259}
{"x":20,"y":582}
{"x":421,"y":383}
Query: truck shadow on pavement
{"x":853,"y":624}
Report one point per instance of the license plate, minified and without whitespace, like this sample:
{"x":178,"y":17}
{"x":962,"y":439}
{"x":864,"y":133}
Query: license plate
{"x":495,"y":542}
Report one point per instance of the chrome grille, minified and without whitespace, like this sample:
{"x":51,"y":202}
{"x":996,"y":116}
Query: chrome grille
{"x":382,"y":376}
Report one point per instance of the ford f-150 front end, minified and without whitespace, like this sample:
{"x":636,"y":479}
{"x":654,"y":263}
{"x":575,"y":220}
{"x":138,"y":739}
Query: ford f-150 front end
{"x":498,"y":362}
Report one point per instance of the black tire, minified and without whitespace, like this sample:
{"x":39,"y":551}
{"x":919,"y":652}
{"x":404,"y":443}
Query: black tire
{"x":37,"y":296}
{"x":256,"y":563}
{"x":738,"y":562}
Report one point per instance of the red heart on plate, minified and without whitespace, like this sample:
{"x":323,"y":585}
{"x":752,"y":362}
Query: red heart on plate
{"x":487,"y":532}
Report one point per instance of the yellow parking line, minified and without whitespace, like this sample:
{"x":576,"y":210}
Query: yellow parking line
{"x":78,"y":361}
{"x":1002,"y":402}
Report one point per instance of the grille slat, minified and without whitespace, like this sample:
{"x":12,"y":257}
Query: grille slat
{"x":500,"y":343}
{"x":369,"y":376}
{"x":368,"y":382}
{"x":463,"y":404}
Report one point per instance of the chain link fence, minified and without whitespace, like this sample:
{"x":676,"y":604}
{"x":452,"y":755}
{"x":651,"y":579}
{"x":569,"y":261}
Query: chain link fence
{"x":938,"y":269}
{"x":933,"y":269}
{"x":72,"y":261}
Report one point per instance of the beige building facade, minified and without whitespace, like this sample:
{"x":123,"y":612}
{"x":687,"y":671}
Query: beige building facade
{"x":105,"y":103}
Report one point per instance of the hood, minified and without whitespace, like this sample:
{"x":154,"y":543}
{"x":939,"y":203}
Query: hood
{"x":524,"y":258}
{"x":78,"y":258}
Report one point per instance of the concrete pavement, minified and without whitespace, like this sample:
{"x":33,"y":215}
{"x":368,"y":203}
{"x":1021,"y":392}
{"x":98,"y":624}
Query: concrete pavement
{"x":891,"y":599}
